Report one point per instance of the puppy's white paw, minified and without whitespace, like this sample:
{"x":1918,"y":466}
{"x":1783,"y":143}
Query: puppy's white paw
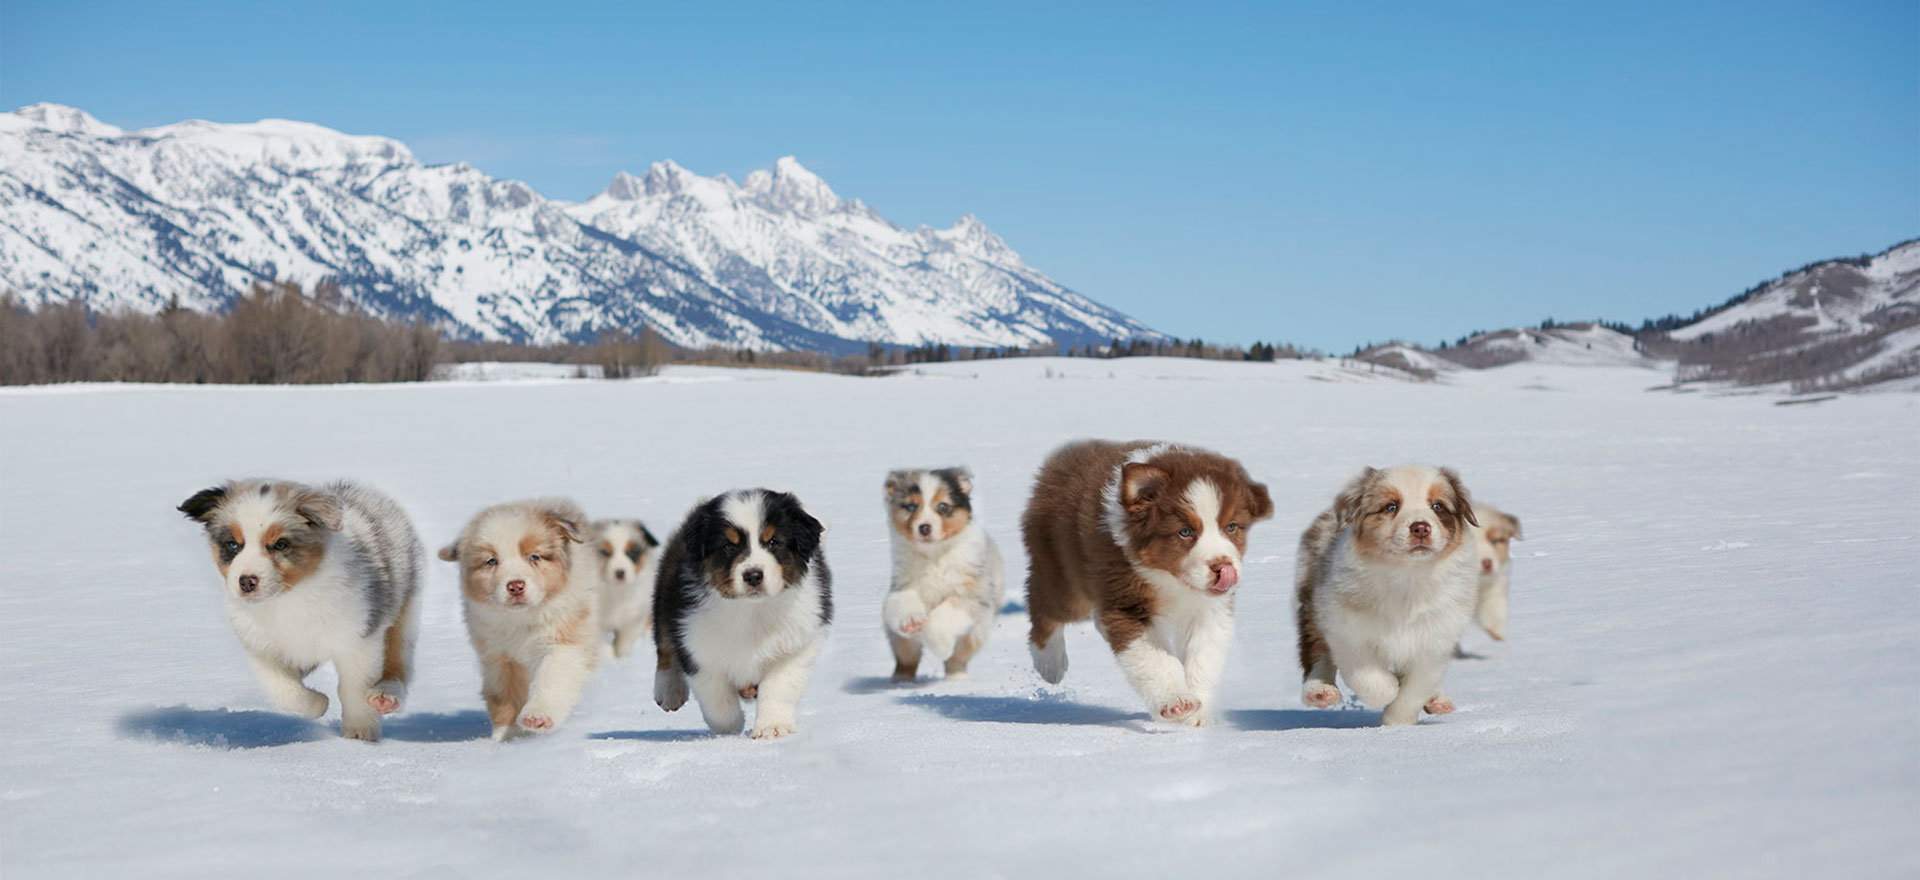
{"x":1050,"y":661}
{"x":1374,"y":687}
{"x":1180,"y":710}
{"x":364,"y":729}
{"x":938,"y":644}
{"x":306,"y":703}
{"x":773,"y":730}
{"x":957,"y":675}
{"x":1319,"y":695}
{"x":913,"y":624}
{"x":501,"y":733}
{"x":1439,"y":705}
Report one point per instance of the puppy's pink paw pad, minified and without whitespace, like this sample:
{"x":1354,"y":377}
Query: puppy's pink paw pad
{"x":1439,"y":707}
{"x":750,"y":692}
{"x":912,"y":625}
{"x":1320,"y":698}
{"x":383,"y":704}
{"x":1178,"y":709}
{"x":773,"y":731}
{"x":536,"y":722}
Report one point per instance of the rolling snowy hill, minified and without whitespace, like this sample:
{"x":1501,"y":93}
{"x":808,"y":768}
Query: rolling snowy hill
{"x":199,"y":211}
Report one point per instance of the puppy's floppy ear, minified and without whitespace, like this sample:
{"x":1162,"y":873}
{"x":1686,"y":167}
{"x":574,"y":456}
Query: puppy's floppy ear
{"x":567,"y":518}
{"x":805,"y":530}
{"x":1346,"y":505}
{"x":1459,"y":490}
{"x":321,"y":509}
{"x":1141,"y":484}
{"x":1261,"y":505}
{"x":897,"y":482}
{"x":1513,"y":522}
{"x":200,"y":506}
{"x":646,"y":536}
{"x":962,"y":479}
{"x":451,"y":552}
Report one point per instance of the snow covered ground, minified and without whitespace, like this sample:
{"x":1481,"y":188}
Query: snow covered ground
{"x":1712,"y":672}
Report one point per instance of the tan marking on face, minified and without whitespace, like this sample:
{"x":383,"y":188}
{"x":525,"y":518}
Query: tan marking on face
{"x":1451,"y":525}
{"x":766,"y":534}
{"x":476,"y":582}
{"x":734,"y":535}
{"x":1375,"y":529}
{"x":239,"y":537}
{"x":899,"y":515}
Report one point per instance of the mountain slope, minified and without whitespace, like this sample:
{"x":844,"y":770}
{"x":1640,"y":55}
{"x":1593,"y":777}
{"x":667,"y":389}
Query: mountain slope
{"x":198,"y":211}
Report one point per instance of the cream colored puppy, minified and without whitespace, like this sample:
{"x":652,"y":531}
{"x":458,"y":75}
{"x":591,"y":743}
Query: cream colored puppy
{"x":531,"y":607}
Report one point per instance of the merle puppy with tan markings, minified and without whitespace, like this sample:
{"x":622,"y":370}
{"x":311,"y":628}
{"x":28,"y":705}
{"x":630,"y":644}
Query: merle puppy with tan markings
{"x":1147,"y":539}
{"x":1385,"y":583}
{"x":532,"y":609}
{"x":315,"y":574}
{"x":742,"y":606}
{"x":629,"y":556}
{"x":948,"y":579}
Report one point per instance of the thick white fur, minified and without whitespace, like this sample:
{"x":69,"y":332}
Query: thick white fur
{"x":1176,"y":664}
{"x":557,"y":672}
{"x":768,"y":642}
{"x":287,"y":633}
{"x":626,"y":603}
{"x":1391,"y":623}
{"x":943,"y":590}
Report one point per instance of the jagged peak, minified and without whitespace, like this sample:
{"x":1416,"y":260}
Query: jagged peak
{"x":791,"y":188}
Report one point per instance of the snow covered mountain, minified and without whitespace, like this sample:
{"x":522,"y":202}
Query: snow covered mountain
{"x":198,"y":211}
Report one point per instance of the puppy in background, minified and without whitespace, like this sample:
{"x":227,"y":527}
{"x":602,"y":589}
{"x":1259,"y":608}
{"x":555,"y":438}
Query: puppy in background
{"x":1492,"y":544}
{"x":742,"y":605}
{"x":948,"y":580}
{"x":315,"y":574}
{"x":528,"y":585}
{"x":1146,"y":538}
{"x":1386,"y":582}
{"x":627,"y":572}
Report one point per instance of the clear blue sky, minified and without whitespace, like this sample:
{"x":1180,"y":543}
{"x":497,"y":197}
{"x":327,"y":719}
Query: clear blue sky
{"x":1325,"y":173}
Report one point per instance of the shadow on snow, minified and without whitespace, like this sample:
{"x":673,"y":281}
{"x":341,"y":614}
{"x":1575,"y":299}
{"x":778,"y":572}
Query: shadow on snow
{"x":254,"y":728}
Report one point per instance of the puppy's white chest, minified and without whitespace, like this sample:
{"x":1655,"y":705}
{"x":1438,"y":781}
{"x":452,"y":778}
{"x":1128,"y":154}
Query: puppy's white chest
{"x":742,"y":637}
{"x":305,"y":626}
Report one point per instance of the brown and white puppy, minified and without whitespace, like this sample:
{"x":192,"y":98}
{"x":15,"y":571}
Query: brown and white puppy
{"x":529,"y":585}
{"x":1493,"y":544}
{"x":948,"y":580}
{"x":627,"y":567}
{"x":1146,"y":538}
{"x":315,"y":574}
{"x":1385,"y":584}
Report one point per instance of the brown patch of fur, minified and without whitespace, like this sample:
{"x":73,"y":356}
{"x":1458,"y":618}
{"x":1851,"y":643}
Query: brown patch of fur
{"x":302,"y":557}
{"x":474,"y":576}
{"x":766,"y":533}
{"x":1309,"y":568}
{"x":393,"y":666}
{"x":1076,"y":568}
{"x":572,"y":631}
{"x":906,"y":656}
{"x":964,"y":650}
{"x":505,"y":689}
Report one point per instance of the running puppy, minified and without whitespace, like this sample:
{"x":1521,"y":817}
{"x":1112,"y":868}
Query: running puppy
{"x":1386,"y":582}
{"x":531,"y":607}
{"x":1493,"y":544}
{"x":742,"y":606}
{"x":317,"y":574}
{"x":948,"y":580}
{"x":1147,"y":539}
{"x":627,"y":572}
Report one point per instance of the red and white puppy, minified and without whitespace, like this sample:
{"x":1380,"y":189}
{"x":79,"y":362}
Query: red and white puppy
{"x":1493,"y":545}
{"x":531,"y":607}
{"x":1386,"y":582}
{"x":1146,"y":538}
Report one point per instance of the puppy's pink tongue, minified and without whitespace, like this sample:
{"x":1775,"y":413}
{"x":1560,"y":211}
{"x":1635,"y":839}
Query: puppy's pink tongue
{"x":1225,"y":577}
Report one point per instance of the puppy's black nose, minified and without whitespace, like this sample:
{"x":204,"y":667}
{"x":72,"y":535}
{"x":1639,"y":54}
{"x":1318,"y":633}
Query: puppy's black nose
{"x":516,"y":588}
{"x":619,"y":575}
{"x":249,"y":583}
{"x":926,"y":529}
{"x":1421,"y":529}
{"x":753,"y":577}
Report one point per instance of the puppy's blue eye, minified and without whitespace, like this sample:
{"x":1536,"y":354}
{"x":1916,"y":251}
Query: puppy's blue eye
{"x":280,"y":546}
{"x":1391,"y":508}
{"x":1186,"y":533}
{"x":1233,"y":527}
{"x":1439,"y":508}
{"x":945,"y":509}
{"x":233,"y":546}
{"x":533,"y":557}
{"x":909,"y":507}
{"x":492,"y":561}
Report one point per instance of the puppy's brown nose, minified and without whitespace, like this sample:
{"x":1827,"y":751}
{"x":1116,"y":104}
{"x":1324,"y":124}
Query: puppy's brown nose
{"x":516,"y":588}
{"x":1486,"y":566}
{"x":926,"y":529}
{"x":249,"y":583}
{"x":753,"y":577}
{"x":1421,"y":529}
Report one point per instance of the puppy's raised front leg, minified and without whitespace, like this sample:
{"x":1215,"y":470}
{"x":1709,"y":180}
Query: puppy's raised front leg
{"x":284,"y":687}
{"x":359,"y":668}
{"x":904,"y":613}
{"x":780,"y":691}
{"x":1319,"y":690}
{"x":556,"y":687}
